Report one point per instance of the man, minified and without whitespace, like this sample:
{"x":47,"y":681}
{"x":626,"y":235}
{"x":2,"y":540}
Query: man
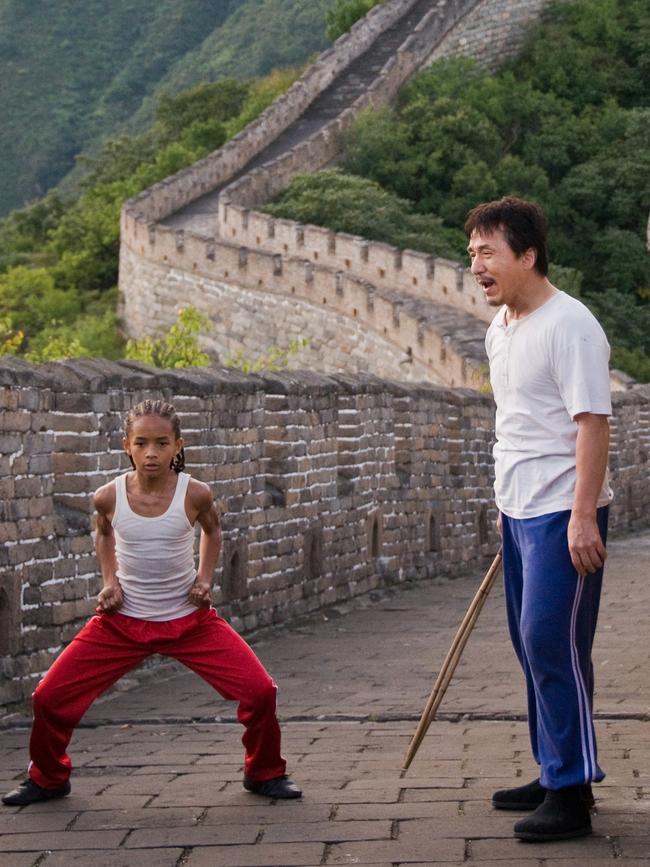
{"x":549,"y":374}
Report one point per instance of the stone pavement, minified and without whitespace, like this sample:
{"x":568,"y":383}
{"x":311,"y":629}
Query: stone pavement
{"x":157,"y":779}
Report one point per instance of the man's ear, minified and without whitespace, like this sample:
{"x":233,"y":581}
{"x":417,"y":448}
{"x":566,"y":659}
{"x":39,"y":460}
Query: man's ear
{"x":529,"y":258}
{"x":125,"y":445}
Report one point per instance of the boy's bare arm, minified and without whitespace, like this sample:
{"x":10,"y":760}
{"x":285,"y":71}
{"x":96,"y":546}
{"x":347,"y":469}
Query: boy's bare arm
{"x":209,"y":545}
{"x":110,"y":597}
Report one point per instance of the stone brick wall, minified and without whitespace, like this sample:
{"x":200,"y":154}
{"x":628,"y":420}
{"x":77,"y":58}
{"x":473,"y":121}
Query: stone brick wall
{"x":328,"y":486}
{"x":490,"y":34}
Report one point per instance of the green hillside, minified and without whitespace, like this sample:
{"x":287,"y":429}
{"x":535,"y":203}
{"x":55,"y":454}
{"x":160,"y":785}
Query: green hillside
{"x":74,"y":73}
{"x":567,"y":124}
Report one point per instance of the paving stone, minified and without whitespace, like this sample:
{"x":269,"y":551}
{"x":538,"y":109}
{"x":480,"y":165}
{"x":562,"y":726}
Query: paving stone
{"x":426,"y":810}
{"x":15,"y":859}
{"x":464,"y":827}
{"x":114,"y":858}
{"x":26,"y":820}
{"x":78,"y":803}
{"x":393,"y":851}
{"x":100,"y":820}
{"x":327,"y":832}
{"x":586,"y":848}
{"x":283,"y":855}
{"x":635,"y":847}
{"x":268,"y":814}
{"x":60,"y":840}
{"x":431,"y":794}
{"x":200,"y":835}
{"x":594,"y":861}
{"x":145,"y":784}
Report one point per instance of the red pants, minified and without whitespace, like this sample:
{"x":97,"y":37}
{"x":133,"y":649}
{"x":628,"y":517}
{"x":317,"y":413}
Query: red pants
{"x":109,"y":645}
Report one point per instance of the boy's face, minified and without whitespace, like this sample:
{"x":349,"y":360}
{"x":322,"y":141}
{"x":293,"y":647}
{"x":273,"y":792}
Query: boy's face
{"x":152,"y":445}
{"x":497,"y":268}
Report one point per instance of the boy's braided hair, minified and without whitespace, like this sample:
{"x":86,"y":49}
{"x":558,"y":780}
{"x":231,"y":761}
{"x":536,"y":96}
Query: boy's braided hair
{"x":162,"y":409}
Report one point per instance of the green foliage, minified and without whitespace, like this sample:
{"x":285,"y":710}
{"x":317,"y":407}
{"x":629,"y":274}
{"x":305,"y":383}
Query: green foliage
{"x":348,"y":203}
{"x":277,"y":358}
{"x":570,"y":279}
{"x":32,"y":299}
{"x":261,"y":94}
{"x":74,"y":73}
{"x":24,"y":233}
{"x":178,"y":348}
{"x":566,"y":124}
{"x":56,"y":348}
{"x":636,"y":362}
{"x":10,"y":339}
{"x":623,"y":315}
{"x":58,"y":260}
{"x":344,"y":13}
{"x":94,"y":334}
{"x":207,"y":102}
{"x":588,"y":51}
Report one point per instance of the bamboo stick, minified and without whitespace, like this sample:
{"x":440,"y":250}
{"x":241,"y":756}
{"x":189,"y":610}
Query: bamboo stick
{"x":452,"y":659}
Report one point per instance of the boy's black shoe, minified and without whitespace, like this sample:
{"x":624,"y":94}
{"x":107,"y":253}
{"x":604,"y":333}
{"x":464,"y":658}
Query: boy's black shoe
{"x":29,"y":792}
{"x":278,"y":787}
{"x":563,"y":814}
{"x":530,"y":796}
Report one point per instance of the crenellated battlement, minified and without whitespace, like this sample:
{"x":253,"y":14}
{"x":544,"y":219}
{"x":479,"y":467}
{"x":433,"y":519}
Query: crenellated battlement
{"x":205,"y":267}
{"x":439,"y":280}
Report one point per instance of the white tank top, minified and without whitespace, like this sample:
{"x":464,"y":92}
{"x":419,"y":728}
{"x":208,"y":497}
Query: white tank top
{"x":155,"y":556}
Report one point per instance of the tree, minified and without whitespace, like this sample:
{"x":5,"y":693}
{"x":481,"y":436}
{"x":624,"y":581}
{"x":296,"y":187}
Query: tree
{"x":215,"y":101}
{"x":344,"y":13}
{"x":32,"y":299}
{"x":348,"y":203}
{"x":10,"y":339}
{"x":276,"y":358}
{"x":178,"y":348}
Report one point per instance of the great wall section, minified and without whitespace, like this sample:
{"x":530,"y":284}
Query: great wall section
{"x":331,"y":484}
{"x":364,"y":307}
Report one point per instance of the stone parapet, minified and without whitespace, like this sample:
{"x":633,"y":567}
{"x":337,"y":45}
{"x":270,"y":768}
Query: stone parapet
{"x":328,"y":486}
{"x":421,"y":275}
{"x":168,"y":268}
{"x":492,"y":34}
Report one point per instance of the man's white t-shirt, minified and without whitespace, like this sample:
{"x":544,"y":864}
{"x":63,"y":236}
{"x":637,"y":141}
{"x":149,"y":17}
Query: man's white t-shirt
{"x":545,"y":369}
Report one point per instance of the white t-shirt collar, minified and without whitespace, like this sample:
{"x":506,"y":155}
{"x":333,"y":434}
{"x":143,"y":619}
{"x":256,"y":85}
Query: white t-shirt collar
{"x":502,"y":323}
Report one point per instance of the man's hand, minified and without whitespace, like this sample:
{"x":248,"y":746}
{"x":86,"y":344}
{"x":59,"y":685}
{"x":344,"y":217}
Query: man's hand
{"x":110,"y":599}
{"x":585,"y":544}
{"x":499,"y":524}
{"x":201,"y":594}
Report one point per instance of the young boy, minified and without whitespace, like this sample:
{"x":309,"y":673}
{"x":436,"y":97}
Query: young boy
{"x":153,"y":601}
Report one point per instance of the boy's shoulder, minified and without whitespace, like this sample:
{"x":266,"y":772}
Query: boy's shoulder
{"x":200,"y":494}
{"x":104,"y":497}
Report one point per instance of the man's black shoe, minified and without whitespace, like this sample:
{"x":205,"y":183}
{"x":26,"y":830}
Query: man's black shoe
{"x":29,"y":792}
{"x":563,"y":814}
{"x":527,"y":797}
{"x":530,"y":796}
{"x":278,"y":787}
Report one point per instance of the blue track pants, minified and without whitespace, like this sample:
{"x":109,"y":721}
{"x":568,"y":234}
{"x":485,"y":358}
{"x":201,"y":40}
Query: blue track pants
{"x":552,"y":614}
